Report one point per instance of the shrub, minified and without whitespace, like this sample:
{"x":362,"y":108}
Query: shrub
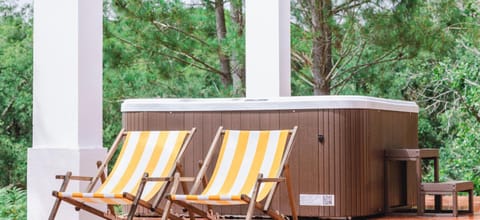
{"x":13,"y":203}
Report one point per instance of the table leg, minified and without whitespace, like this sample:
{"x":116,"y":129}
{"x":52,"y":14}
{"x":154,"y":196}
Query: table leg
{"x":418,"y":164}
{"x":470,"y":201}
{"x":455,"y":203}
{"x":421,"y":204}
{"x":385,"y":172}
{"x":438,"y":198}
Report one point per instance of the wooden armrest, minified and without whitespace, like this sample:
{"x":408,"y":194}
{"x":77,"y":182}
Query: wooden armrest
{"x":187,"y":179}
{"x":264,"y":180}
{"x":182,"y":179}
{"x":80,"y":178}
{"x":158,"y":179}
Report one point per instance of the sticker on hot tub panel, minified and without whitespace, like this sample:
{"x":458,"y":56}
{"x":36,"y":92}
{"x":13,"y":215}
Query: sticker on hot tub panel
{"x":317,"y":200}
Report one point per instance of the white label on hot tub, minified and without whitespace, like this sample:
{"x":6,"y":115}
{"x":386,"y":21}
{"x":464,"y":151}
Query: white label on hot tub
{"x":317,"y":200}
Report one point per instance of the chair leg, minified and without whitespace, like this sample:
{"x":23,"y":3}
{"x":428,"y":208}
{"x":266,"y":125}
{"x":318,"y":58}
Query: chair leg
{"x":102,"y":179}
{"x":168,"y":205}
{"x":133,"y":209}
{"x":56,"y":205}
{"x":251,"y":205}
{"x":54,"y":211}
{"x":166,"y":210}
{"x":259,"y":206}
{"x":192,"y":208}
{"x":205,"y":183}
{"x":88,"y":208}
{"x":185,"y":187}
{"x":291,"y":198}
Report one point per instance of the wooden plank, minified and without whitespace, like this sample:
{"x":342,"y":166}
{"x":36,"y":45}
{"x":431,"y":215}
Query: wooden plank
{"x":249,"y":120}
{"x":377,"y":135}
{"x":269,"y":120}
{"x":132,"y":121}
{"x":360,"y":136}
{"x":337,"y":151}
{"x":352,"y":165}
{"x":357,"y":131}
{"x":367,"y":136}
{"x":125,"y":120}
{"x":348,"y":162}
{"x":174,"y":120}
{"x":395,"y":187}
{"x":289,"y":119}
{"x":189,"y":163}
{"x":211,"y":121}
{"x":308,"y":152}
{"x":141,"y":124}
{"x":322,"y":172}
{"x":158,"y":120}
{"x":343,"y":162}
{"x":411,"y":197}
{"x":385,"y":137}
{"x":411,"y":153}
{"x":331,"y":158}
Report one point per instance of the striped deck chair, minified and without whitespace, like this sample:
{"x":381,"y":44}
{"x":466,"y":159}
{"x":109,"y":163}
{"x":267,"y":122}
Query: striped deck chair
{"x":248,"y":168}
{"x":144,"y":168}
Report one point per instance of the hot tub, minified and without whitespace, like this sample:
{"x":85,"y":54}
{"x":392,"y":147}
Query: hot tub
{"x":337,"y":163}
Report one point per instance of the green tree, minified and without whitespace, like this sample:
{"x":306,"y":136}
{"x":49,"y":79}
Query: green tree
{"x":172,"y":37}
{"x":337,"y":42}
{"x":15,"y":91}
{"x":449,"y":91}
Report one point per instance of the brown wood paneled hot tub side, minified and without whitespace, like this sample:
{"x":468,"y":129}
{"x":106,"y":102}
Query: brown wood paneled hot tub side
{"x":337,"y":163}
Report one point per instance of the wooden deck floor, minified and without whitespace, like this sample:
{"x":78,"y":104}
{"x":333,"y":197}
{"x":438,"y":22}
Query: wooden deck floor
{"x":447,"y":205}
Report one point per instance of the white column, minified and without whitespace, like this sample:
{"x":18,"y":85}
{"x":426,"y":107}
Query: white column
{"x":67,"y":100}
{"x":267,"y":48}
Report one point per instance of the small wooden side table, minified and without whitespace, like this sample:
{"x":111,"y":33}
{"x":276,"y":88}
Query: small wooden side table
{"x":416,"y":155}
{"x":448,"y":188}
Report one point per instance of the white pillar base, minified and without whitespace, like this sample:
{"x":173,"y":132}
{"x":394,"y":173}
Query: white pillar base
{"x":44,"y":164}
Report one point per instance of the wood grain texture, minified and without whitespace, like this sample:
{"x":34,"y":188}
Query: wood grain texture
{"x":348,"y":163}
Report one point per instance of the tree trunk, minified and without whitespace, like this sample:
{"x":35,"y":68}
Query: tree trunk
{"x":321,"y":45}
{"x":238,"y":68}
{"x":221,"y":33}
{"x":238,"y":74}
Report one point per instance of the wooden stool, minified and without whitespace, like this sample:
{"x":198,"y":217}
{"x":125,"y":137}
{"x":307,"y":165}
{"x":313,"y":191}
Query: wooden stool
{"x":415,"y":155}
{"x":446,"y":188}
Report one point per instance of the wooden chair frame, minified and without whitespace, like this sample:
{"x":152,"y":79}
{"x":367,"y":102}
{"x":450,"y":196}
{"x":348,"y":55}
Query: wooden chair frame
{"x":136,"y":201}
{"x":201,"y":179}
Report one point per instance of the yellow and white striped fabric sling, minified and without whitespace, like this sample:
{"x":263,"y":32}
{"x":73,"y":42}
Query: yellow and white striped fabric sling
{"x":154,"y":152}
{"x":243,"y":155}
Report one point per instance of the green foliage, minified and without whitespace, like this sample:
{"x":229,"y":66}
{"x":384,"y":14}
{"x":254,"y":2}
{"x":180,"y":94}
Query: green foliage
{"x":15,"y":92}
{"x":13,"y":203}
{"x":166,"y":38}
{"x":449,"y":90}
